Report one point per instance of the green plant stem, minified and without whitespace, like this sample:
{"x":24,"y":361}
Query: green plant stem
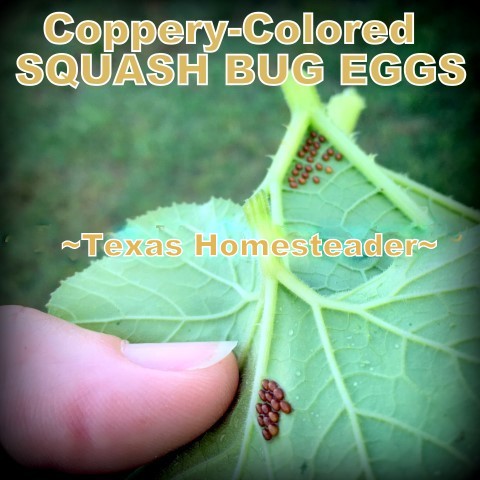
{"x":366,"y":165}
{"x":282,"y":161}
{"x":306,"y":109}
{"x":443,"y":200}
{"x":265,"y":334}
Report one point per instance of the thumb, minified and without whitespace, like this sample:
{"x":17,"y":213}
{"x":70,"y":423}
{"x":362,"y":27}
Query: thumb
{"x":83,"y":401}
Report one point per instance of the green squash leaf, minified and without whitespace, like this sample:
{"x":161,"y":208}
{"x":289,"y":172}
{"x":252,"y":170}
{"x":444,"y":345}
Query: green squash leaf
{"x":165,"y":298}
{"x":377,"y":355}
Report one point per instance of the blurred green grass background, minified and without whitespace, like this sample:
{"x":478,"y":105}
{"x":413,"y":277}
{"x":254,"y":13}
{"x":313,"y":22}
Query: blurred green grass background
{"x":84,"y":160}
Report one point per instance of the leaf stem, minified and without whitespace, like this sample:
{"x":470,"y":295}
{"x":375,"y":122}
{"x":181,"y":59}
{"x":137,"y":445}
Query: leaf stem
{"x":306,"y":108}
{"x":343,"y":392}
{"x":261,"y":364}
{"x":366,"y":165}
{"x":281,"y":162}
{"x":443,"y":200}
{"x":314,"y":299}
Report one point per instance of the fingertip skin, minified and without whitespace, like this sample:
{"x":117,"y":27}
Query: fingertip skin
{"x":72,"y":401}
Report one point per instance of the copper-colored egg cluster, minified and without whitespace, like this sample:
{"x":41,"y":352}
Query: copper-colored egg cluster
{"x":301,"y":171}
{"x":273,"y":405}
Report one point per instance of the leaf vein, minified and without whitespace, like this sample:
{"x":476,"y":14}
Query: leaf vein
{"x":415,"y":431}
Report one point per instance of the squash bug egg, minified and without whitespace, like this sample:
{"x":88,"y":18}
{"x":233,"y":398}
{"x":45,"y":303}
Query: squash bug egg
{"x":275,"y":404}
{"x":278,"y":393}
{"x":272,"y":385}
{"x":285,"y":406}
{"x":266,"y":420}
{"x":274,"y":417}
{"x":273,"y":429}
{"x":266,"y":435}
{"x":266,"y":408}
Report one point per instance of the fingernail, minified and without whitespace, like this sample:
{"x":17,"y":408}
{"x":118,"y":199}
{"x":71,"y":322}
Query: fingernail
{"x":177,"y":356}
